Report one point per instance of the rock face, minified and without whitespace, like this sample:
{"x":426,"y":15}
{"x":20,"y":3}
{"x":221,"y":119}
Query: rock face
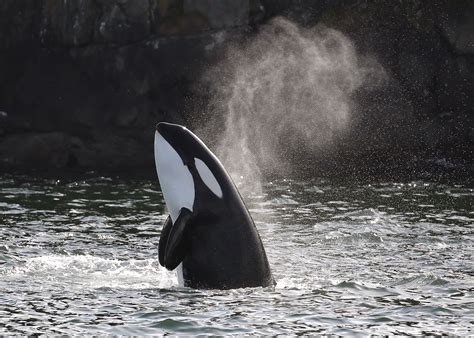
{"x":38,"y":150}
{"x":427,"y":49}
{"x":83,"y":82}
{"x":51,"y":23}
{"x":457,"y":26}
{"x":220,"y":14}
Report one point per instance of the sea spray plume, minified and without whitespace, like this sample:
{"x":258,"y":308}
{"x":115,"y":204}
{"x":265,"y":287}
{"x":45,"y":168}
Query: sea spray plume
{"x":286,"y":92}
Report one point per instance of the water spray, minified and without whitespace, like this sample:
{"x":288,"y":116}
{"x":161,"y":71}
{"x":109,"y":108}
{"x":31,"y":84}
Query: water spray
{"x":286,"y":92}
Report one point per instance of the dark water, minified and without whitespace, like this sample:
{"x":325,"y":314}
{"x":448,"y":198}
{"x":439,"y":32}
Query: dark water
{"x":81,"y":258}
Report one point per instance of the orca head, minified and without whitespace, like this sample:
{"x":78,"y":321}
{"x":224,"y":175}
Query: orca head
{"x":179,"y":154}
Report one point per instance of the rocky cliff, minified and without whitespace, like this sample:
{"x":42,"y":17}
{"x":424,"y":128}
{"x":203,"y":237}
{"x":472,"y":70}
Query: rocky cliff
{"x":83,"y":82}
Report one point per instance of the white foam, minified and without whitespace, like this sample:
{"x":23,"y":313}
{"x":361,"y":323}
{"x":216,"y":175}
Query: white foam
{"x":91,"y":272}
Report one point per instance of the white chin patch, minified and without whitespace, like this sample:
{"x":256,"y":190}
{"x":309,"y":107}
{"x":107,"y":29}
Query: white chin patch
{"x":176,"y":181}
{"x":208,"y":177}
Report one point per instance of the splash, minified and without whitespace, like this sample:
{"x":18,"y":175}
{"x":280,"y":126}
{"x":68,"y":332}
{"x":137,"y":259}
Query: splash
{"x":93,"y":272}
{"x":286,"y":93}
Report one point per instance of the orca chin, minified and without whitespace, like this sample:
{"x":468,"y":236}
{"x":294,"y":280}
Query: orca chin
{"x":209,"y":231}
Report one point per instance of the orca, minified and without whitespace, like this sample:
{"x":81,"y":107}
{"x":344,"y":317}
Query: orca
{"x":209,"y":232}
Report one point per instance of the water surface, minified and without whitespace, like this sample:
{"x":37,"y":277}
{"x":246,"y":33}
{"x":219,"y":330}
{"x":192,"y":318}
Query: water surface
{"x":81,"y":258}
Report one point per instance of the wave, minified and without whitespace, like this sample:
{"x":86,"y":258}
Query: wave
{"x":86,"y":271}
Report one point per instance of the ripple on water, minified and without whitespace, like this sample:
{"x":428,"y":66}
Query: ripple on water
{"x":81,"y":258}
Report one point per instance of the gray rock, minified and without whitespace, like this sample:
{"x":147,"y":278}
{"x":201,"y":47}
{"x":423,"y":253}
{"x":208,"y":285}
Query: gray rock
{"x":19,"y":23}
{"x":84,"y":22}
{"x":3,"y":116}
{"x":220,"y":14}
{"x":457,"y":24}
{"x":39,"y":150}
{"x":77,"y":23}
{"x":85,"y":81}
{"x":455,"y":87}
{"x":69,"y":23}
{"x":123,"y":21}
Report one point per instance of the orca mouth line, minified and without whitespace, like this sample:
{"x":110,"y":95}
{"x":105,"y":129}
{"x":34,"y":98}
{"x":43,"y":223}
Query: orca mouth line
{"x":160,"y":126}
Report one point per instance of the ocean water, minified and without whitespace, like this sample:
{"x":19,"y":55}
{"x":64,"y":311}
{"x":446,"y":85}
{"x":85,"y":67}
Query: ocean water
{"x":80,"y":257}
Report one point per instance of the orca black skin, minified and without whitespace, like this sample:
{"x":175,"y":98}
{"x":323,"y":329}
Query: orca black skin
{"x":211,"y":233}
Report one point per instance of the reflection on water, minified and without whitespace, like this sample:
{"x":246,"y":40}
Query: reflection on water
{"x":81,"y":258}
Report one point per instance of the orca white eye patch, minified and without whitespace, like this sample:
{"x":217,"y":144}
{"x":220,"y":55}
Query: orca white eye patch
{"x":208,"y":177}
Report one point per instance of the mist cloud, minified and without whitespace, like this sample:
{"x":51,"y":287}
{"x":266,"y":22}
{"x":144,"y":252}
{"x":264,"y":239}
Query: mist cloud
{"x":286,"y":92}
